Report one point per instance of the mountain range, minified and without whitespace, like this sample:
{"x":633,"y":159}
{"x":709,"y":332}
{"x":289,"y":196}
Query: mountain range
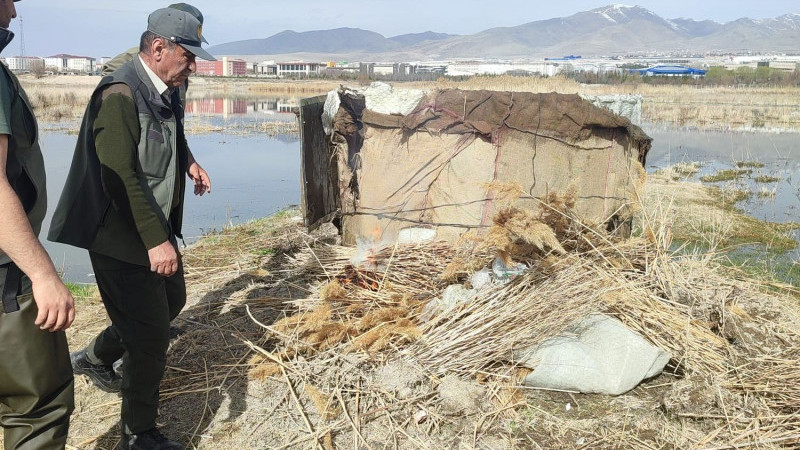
{"x":607,"y":31}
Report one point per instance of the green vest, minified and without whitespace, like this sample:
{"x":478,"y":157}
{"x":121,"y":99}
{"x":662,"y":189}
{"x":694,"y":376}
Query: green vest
{"x":25,"y":165}
{"x":85,"y":216}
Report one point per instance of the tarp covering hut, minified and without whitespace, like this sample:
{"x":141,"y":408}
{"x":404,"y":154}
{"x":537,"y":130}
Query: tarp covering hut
{"x":436,"y":165}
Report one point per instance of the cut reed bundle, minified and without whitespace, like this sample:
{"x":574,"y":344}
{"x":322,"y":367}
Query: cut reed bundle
{"x":523,"y":313}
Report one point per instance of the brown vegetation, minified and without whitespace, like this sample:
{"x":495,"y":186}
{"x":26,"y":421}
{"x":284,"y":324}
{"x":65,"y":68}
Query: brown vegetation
{"x":291,"y":342}
{"x":705,"y":107}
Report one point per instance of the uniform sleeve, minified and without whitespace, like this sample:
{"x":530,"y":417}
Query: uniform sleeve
{"x":117,"y":62}
{"x":117,"y":133}
{"x":6,"y":97}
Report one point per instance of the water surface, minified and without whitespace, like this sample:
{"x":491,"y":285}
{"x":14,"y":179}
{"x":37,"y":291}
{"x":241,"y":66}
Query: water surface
{"x":778,"y":152}
{"x":252,"y":176}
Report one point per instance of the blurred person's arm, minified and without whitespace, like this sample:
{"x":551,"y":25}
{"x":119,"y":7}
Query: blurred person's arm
{"x":17,"y":240}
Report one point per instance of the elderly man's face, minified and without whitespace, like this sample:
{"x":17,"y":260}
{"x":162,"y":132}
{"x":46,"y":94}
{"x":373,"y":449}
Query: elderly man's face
{"x":7,"y":12}
{"x":176,"y":65}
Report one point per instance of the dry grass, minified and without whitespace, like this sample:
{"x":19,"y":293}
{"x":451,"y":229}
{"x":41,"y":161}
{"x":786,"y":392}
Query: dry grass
{"x":680,"y":171}
{"x":202,"y":125}
{"x":721,"y":107}
{"x":748,"y":108}
{"x":700,"y":216}
{"x":316,"y":347}
{"x":54,"y":103}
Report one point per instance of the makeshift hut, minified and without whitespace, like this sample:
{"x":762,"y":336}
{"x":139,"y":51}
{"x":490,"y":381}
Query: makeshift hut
{"x":394,"y":164}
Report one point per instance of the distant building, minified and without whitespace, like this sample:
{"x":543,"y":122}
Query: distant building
{"x":366,"y":69}
{"x":477,"y":68}
{"x":384,"y":69}
{"x":298,"y":69}
{"x":266,"y":68}
{"x":81,"y":64}
{"x":679,"y":71}
{"x":63,"y":63}
{"x":24,"y":63}
{"x":225,"y":67}
{"x":785,"y":66}
{"x":103,"y":60}
{"x":564,"y":58}
{"x":56,"y":63}
{"x":404,"y":69}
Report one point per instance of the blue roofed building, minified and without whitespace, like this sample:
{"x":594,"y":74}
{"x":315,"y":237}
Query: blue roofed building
{"x":669,"y":70}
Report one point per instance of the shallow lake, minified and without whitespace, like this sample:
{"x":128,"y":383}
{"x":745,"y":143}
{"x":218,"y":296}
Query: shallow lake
{"x":254,"y":175}
{"x":779,"y":154}
{"x":773,"y":163}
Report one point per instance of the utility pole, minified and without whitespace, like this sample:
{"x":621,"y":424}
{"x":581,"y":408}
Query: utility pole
{"x":21,"y":38}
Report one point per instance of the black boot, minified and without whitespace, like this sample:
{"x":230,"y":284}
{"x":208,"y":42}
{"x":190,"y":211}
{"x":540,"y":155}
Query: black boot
{"x":101,"y":375}
{"x":151,"y":439}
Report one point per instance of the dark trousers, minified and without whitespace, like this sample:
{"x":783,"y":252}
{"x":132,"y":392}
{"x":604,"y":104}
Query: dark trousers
{"x":36,"y":388}
{"x":141,"y":305}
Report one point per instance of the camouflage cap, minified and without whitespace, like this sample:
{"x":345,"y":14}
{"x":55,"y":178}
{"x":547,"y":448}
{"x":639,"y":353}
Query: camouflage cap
{"x":181,"y":27}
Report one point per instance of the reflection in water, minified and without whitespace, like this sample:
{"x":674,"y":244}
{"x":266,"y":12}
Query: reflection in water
{"x":251,"y":176}
{"x":242,"y":106}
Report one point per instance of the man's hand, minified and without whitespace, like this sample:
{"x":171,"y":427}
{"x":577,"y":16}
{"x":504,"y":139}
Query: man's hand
{"x":55,"y":304}
{"x":163,"y":259}
{"x":202,"y":182}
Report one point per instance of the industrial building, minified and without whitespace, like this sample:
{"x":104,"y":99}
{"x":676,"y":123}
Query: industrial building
{"x":669,"y":70}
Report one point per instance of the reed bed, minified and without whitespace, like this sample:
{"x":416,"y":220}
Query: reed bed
{"x":704,"y":107}
{"x":337,"y":339}
{"x":367,"y":301}
{"x":52,"y":103}
{"x":202,"y":125}
{"x":482,"y":334}
{"x":718,"y":107}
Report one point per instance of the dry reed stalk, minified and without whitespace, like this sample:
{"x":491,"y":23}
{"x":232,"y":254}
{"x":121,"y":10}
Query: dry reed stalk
{"x":409,"y":272}
{"x":366,"y":308}
{"x":775,"y":378}
{"x":326,"y":406}
{"x":377,"y":338}
{"x":332,"y":291}
{"x":261,"y":369}
{"x":692,"y":344}
{"x":300,"y":406}
{"x":506,"y":391}
{"x":521,"y":314}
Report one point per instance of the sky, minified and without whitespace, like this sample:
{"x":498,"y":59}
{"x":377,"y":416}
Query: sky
{"x":98,"y":28}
